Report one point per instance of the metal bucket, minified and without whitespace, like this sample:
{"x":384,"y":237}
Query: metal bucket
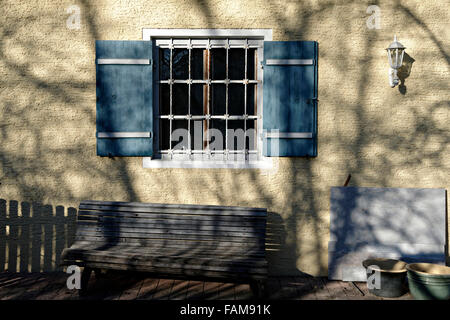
{"x":429,"y":281}
{"x":389,"y":275}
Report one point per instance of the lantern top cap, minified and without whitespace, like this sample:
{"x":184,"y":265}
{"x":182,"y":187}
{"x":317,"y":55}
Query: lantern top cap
{"x":395,"y":45}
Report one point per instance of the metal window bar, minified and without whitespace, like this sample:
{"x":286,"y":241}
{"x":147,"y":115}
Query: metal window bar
{"x":187,"y":117}
{"x":208,"y":97}
{"x":189,"y":99}
{"x":170,"y":94}
{"x":208,"y":81}
{"x":226,"y":98}
{"x":245,"y":96}
{"x":178,"y":151}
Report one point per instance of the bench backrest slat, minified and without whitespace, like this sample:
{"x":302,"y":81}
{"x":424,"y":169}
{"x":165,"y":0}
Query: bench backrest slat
{"x":172,"y":243}
{"x":167,"y":226}
{"x":87,"y":214}
{"x":161,"y":209}
{"x":161,"y":248}
{"x":164,"y":205}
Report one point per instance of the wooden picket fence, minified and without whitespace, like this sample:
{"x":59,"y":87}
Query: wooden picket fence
{"x":33,"y":235}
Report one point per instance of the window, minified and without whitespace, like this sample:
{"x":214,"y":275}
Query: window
{"x":206,"y":98}
{"x":208,"y":107}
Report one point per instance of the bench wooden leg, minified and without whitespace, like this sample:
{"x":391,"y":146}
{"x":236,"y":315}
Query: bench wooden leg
{"x":258,"y":287}
{"x":85,"y":275}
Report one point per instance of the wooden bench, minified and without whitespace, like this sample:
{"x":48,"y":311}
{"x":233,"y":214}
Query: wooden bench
{"x":206,"y":242}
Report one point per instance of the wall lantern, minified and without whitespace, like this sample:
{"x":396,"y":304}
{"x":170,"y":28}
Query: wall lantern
{"x":395,"y":53}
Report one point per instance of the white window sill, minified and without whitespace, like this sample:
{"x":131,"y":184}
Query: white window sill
{"x":265,"y":163}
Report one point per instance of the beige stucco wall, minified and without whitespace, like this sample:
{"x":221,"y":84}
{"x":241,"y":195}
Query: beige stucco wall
{"x":383,"y":137}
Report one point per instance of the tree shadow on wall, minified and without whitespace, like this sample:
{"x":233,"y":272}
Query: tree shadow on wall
{"x":32,"y":236}
{"x":278,"y":250}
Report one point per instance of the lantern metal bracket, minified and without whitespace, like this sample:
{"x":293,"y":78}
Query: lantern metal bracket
{"x":393,"y":77}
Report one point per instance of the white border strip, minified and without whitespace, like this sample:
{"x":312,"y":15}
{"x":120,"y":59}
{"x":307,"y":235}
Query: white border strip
{"x":288,"y":135}
{"x":124,"y":135}
{"x":123,"y":61}
{"x":295,"y":62}
{"x":265,"y":34}
{"x":265,"y":163}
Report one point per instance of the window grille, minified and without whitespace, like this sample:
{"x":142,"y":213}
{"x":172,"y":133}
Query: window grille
{"x":213,"y":83}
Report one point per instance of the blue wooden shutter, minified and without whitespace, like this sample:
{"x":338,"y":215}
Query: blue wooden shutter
{"x":290,"y":98}
{"x":124,"y":98}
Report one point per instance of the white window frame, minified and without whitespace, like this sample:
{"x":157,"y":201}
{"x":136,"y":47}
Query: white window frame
{"x":260,"y":34}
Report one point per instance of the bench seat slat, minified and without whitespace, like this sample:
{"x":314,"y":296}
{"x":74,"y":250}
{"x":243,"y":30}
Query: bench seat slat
{"x":154,"y":263}
{"x":182,"y":272}
{"x":144,"y":256}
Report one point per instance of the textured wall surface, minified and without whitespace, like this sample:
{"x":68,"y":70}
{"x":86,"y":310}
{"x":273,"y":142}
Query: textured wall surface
{"x":384,"y":137}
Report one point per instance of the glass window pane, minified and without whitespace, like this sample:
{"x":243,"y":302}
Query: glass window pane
{"x":180,"y":134}
{"x":164,"y":99}
{"x":236,"y":64}
{"x":236,"y":135}
{"x":197,"y":62}
{"x":197,"y":98}
{"x":251,"y":99}
{"x":217,"y":134}
{"x":236,"y":99}
{"x":251,"y":64}
{"x":164,"y":64}
{"x":218,"y":92}
{"x":218,"y":64}
{"x":164,"y":134}
{"x":180,"y":67}
{"x":180,"y":99}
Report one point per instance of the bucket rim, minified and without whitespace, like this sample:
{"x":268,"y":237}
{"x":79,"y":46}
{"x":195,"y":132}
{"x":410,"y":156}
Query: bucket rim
{"x":444,"y":271}
{"x":371,"y":263}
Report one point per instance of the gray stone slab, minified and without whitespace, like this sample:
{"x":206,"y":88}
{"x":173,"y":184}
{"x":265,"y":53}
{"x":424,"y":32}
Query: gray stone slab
{"x":387,"y":215}
{"x":399,"y":223}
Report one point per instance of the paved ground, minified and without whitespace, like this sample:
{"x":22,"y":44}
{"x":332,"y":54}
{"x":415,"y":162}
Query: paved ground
{"x":130,"y":286}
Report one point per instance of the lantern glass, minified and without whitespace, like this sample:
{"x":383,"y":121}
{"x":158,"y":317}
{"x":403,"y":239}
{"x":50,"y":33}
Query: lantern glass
{"x":395,"y":57}
{"x":395,"y":53}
